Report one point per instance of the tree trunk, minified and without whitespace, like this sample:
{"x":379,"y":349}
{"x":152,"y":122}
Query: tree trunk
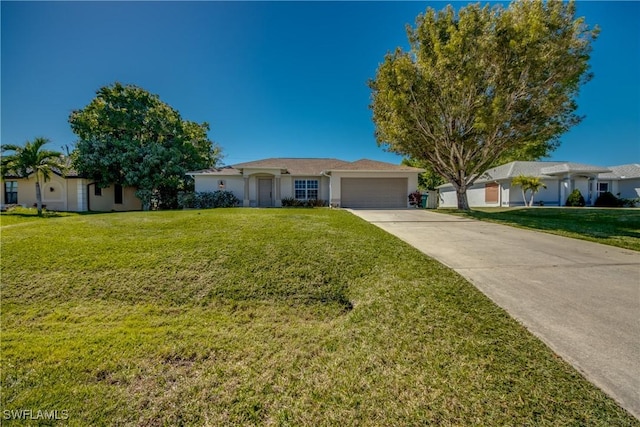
{"x":461,"y":194}
{"x":524,"y":198}
{"x":38,"y":198}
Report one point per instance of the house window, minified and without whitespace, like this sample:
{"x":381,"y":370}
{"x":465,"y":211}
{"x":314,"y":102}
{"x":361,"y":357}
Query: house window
{"x":491,"y":192}
{"x":11,"y":192}
{"x":97,"y":191}
{"x":306,"y":189}
{"x":603,"y":187}
{"x":117,"y":199}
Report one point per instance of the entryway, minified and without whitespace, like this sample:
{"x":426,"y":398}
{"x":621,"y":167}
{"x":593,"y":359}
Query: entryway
{"x":265,"y":192}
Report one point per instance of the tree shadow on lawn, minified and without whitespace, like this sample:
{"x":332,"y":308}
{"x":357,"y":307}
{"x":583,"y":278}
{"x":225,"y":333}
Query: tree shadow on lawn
{"x":597,"y":223}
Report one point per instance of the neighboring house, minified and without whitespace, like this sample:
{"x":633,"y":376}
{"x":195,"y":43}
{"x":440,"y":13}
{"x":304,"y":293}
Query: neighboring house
{"x":360,"y":184}
{"x":494,"y":187}
{"x":68,"y":192}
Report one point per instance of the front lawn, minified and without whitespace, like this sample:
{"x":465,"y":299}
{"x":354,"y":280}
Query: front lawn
{"x":18,"y":215}
{"x":615,"y":227}
{"x":264,"y":317}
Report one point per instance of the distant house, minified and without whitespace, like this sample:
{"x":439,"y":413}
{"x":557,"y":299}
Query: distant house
{"x":494,"y":188}
{"x":69,"y":192}
{"x":360,"y":184}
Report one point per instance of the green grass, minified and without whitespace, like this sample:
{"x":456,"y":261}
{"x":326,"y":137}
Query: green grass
{"x":18,"y":215}
{"x":615,"y":227}
{"x":264,"y":317}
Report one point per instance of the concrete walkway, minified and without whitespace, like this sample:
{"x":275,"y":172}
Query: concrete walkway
{"x":581,"y":298}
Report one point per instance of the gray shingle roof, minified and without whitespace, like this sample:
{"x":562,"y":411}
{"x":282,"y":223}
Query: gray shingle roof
{"x":513,"y":169}
{"x":308,"y":166}
{"x":374,"y":165}
{"x":294,"y":166}
{"x":629,"y":171}
{"x":550,"y":169}
{"x":572,"y":168}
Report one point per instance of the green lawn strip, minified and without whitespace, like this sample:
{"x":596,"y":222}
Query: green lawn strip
{"x":253,"y":317}
{"x":19,"y":215}
{"x":615,"y":227}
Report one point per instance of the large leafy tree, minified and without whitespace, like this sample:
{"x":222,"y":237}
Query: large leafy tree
{"x":482,"y":85}
{"x":32,"y":159}
{"x":427,"y":180}
{"x":128,"y":136}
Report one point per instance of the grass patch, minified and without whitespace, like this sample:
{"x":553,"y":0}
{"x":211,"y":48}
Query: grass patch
{"x":615,"y":227}
{"x":254,"y":317}
{"x":18,"y":215}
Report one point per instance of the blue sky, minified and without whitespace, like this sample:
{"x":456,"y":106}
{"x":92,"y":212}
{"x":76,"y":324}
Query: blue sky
{"x":273,"y":79}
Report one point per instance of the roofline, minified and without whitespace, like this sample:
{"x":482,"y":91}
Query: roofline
{"x":377,"y":170}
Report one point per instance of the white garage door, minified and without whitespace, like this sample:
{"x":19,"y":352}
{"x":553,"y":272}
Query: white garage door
{"x":374,"y":192}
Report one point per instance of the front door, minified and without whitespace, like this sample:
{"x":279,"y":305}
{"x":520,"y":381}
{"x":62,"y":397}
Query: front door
{"x":265,"y":196}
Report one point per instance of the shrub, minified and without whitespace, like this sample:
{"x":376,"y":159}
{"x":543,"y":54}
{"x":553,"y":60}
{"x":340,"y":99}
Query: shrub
{"x":629,"y":203}
{"x":415,"y":198}
{"x":292,"y":202}
{"x":288,"y":202}
{"x":608,"y":200}
{"x":316,"y":203}
{"x":207,"y":199}
{"x":575,"y":199}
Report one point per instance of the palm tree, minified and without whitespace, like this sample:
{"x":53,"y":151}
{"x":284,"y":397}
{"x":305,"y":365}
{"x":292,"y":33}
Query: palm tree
{"x":535,"y":185}
{"x":32,"y":159}
{"x":522,"y":182}
{"x":528,"y":183}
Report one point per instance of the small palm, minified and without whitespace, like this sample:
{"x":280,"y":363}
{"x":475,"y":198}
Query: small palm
{"x":32,"y":159}
{"x":528,"y":183}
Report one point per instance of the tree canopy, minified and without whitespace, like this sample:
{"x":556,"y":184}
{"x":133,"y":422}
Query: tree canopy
{"x":128,"y":136}
{"x":32,"y":158}
{"x":481,"y":86}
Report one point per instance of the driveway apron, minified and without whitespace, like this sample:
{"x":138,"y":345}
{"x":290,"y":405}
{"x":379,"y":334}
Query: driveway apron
{"x":581,"y":298}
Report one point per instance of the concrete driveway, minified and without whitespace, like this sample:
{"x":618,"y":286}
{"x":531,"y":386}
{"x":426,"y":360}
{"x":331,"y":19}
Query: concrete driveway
{"x":581,"y":298}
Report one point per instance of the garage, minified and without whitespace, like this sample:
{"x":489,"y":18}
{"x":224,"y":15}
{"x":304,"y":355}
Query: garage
{"x":374,"y":192}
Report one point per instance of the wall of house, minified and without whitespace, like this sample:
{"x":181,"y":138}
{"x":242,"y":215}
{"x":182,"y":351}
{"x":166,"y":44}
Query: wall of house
{"x":447,"y":198}
{"x":208,"y":183}
{"x":336,"y":176}
{"x":54,"y":192}
{"x":582,"y":184}
{"x":475,"y":197}
{"x":106,"y":201}
{"x":70,"y":194}
{"x":288,"y":186}
{"x":509,"y":195}
{"x":549,"y":196}
{"x":629,"y":188}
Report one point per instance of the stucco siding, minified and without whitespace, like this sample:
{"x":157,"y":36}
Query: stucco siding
{"x":629,"y":189}
{"x":234,"y":184}
{"x":447,"y":198}
{"x":509,"y":195}
{"x":549,"y":196}
{"x":26,"y":192}
{"x":106,"y":201}
{"x":476,"y":196}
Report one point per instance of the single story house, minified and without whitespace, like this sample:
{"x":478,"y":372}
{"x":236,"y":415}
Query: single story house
{"x":69,"y":192}
{"x":360,"y":184}
{"x":493,"y":188}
